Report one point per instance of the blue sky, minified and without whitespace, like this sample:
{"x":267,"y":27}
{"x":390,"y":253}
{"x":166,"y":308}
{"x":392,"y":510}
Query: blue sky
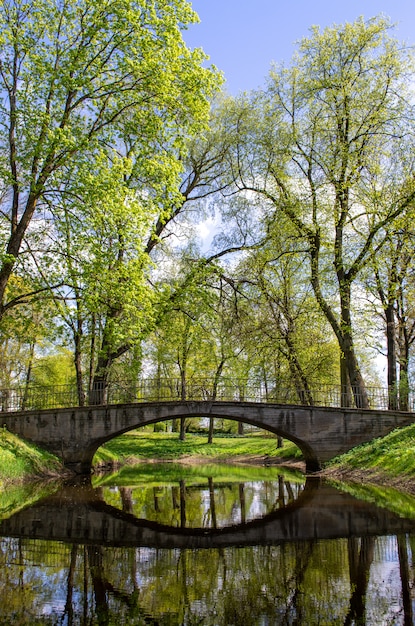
{"x":243,"y":37}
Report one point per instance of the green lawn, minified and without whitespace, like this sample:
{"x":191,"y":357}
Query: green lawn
{"x":143,"y":445}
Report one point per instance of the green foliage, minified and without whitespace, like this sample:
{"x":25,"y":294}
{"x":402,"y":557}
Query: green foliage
{"x":317,"y":145}
{"x":53,"y":370}
{"x":108,"y":164}
{"x":98,"y":147}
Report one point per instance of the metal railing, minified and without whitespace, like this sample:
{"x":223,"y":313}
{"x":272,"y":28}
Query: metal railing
{"x":162,"y":390}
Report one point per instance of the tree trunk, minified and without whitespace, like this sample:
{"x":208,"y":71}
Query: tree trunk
{"x":78,"y":368}
{"x":297,"y":372}
{"x":211,"y":427}
{"x":14,"y":244}
{"x":404,"y":378}
{"x":342,"y":330}
{"x":393,"y":401}
{"x":99,"y":392}
{"x":218,"y":374}
{"x":183,"y":396}
{"x":346,"y":399}
{"x":182,"y":435}
{"x":357,"y":383}
{"x":28,"y":375}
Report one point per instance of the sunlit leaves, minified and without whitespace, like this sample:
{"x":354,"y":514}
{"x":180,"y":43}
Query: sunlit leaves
{"x":77,"y":75}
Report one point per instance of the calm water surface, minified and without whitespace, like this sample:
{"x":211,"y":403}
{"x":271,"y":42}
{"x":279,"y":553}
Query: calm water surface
{"x":164,"y":545}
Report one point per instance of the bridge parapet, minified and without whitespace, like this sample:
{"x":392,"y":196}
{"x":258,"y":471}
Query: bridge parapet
{"x":31,"y":398}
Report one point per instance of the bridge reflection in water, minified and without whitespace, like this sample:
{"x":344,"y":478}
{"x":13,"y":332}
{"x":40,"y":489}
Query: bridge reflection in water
{"x":321,"y":512}
{"x":307,"y":562}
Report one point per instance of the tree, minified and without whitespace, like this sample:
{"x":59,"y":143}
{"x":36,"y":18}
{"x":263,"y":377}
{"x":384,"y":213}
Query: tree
{"x":288,"y":341}
{"x":317,"y":144}
{"x":391,"y":281}
{"x":74,"y":75}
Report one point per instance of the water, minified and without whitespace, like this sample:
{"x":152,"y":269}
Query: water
{"x":166,"y":545}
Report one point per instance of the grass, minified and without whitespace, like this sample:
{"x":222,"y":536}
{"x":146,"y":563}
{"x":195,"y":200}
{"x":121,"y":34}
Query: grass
{"x":141,"y":446}
{"x":20,"y":460}
{"x":393,"y":455}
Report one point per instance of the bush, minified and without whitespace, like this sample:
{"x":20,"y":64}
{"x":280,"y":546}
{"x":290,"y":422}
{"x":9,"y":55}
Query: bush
{"x":160,"y":427}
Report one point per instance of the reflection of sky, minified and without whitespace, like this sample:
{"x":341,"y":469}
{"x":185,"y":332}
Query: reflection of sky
{"x":51,"y":599}
{"x":384,"y":597}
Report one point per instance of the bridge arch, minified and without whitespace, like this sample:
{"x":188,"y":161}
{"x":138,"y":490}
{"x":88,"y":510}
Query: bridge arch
{"x":310,"y":458}
{"x":75,"y":433}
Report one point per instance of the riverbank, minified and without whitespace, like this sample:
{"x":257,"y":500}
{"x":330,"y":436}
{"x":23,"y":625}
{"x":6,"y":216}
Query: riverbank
{"x":21,"y":462}
{"x":388,"y":461}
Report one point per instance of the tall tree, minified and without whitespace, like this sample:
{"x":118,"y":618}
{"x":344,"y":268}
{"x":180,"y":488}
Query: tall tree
{"x":313,"y":143}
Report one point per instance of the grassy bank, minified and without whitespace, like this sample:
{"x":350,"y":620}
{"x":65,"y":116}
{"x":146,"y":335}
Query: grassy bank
{"x":388,"y":460}
{"x":137,"y":446}
{"x":20,"y":461}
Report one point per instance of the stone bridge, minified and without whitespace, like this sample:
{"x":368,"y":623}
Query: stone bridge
{"x":320,"y":512}
{"x":74,"y":434}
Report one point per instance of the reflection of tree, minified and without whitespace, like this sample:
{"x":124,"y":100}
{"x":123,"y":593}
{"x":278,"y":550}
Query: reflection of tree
{"x":404,"y":570}
{"x":126,"y":494}
{"x":285,"y":486}
{"x":323,"y":582}
{"x":295,"y":582}
{"x":242,"y":502}
{"x":212,"y":503}
{"x":182,"y":504}
{"x":156,"y":499}
{"x":70,"y":586}
{"x":100,"y":585}
{"x":96,"y":556}
{"x":302,"y":583}
{"x":360,"y":561}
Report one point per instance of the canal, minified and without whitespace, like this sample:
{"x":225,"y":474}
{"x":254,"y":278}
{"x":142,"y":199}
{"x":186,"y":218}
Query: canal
{"x":161,"y":544}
